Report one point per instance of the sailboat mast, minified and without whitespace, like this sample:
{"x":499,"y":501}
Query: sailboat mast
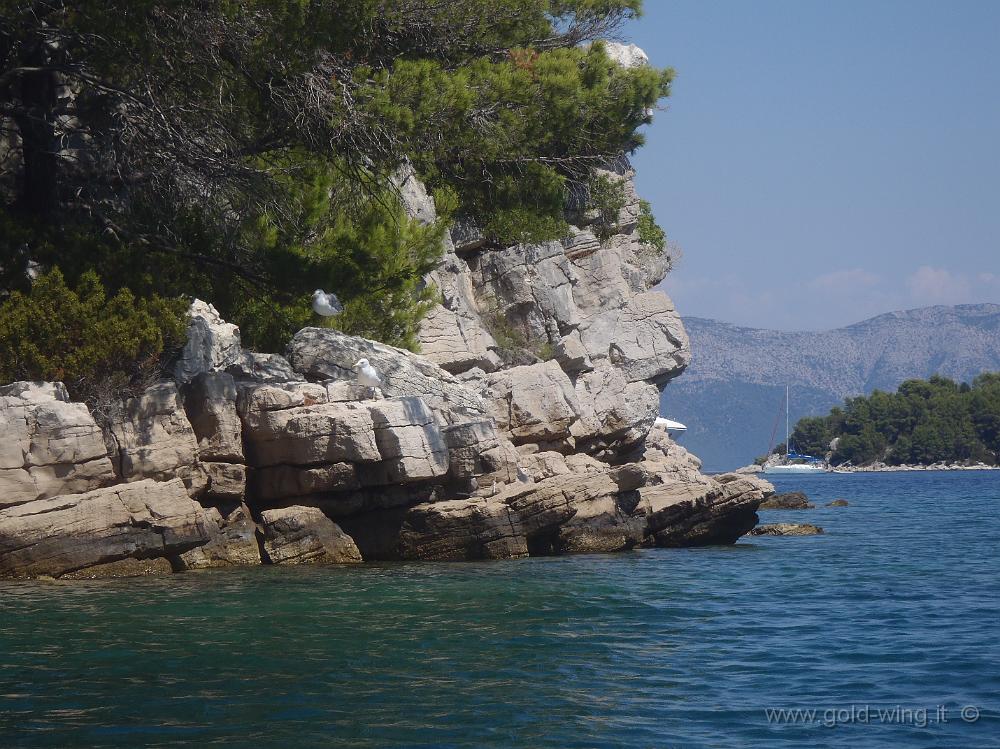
{"x":787,"y":434}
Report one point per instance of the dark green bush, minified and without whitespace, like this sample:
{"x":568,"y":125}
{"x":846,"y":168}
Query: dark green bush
{"x":98,"y":346}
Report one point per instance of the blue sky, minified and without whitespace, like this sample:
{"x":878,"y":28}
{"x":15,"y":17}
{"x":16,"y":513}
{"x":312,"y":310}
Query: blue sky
{"x":823,"y":162}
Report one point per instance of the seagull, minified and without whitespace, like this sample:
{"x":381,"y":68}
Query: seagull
{"x":367,"y":375}
{"x":325,"y":304}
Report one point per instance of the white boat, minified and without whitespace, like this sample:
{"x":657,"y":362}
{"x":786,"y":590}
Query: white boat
{"x":797,"y":469}
{"x":670,"y":425}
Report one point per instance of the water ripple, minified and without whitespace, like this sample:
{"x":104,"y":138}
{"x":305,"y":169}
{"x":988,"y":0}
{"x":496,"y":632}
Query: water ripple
{"x":897,"y":605}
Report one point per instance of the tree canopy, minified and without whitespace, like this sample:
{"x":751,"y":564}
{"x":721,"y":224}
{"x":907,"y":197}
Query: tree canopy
{"x":923,"y":422}
{"x":244,"y":151}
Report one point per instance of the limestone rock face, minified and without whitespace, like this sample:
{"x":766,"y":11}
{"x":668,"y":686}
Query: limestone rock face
{"x":536,"y":403}
{"x":48,"y":445}
{"x":210,"y":403}
{"x":304,"y":535}
{"x":324,"y":354}
{"x":409,"y":442}
{"x":585,"y":304}
{"x":626,"y":55}
{"x":212,"y":343}
{"x":142,"y":520}
{"x":310,"y":435}
{"x":613,"y":411}
{"x":684,"y":517}
{"x":225,"y":481}
{"x":461,"y":530}
{"x":232,"y":542}
{"x":156,"y":440}
{"x":262,"y":368}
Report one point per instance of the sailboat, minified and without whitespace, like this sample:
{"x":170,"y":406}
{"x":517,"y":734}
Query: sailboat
{"x":812,"y":465}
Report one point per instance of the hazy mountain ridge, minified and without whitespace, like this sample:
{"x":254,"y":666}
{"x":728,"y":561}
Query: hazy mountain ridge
{"x":737,"y":374}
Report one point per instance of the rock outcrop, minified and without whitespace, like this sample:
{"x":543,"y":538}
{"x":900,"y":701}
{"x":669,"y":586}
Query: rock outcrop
{"x":304,"y":535}
{"x":525,"y":427}
{"x":788,"y":501}
{"x":212,"y":343}
{"x":142,"y":520}
{"x":787,"y":529}
{"x":48,"y":445}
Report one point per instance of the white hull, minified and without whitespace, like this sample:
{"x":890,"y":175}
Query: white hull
{"x":795,"y":469}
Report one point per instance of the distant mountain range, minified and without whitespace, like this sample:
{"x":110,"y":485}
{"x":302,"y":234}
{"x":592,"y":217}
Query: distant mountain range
{"x":733,"y":393}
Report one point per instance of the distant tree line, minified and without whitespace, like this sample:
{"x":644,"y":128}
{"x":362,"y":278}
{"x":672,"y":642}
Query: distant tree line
{"x":923,"y":422}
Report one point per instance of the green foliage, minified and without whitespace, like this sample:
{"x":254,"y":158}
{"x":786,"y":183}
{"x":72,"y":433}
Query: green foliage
{"x":95,"y":344}
{"x":265,"y":171}
{"x":812,"y":436}
{"x":607,"y":196}
{"x":924,"y":422}
{"x":649,"y":231}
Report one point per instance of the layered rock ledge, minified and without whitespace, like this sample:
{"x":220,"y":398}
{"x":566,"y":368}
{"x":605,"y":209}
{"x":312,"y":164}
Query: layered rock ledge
{"x":470,"y":450}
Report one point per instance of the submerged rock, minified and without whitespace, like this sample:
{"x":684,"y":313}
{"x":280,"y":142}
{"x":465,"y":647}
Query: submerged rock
{"x":838,"y":503}
{"x":787,"y":529}
{"x":788,"y":501}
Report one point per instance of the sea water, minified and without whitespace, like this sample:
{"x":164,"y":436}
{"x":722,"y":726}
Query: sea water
{"x":884,"y":632}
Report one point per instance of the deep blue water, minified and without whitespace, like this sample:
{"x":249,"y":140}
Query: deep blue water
{"x":898,"y":605}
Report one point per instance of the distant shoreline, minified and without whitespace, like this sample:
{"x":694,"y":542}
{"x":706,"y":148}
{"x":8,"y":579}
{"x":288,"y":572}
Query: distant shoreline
{"x":877,"y":468}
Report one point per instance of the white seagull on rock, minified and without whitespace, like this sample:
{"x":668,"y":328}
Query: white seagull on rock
{"x":367,"y":376}
{"x":325,"y":304}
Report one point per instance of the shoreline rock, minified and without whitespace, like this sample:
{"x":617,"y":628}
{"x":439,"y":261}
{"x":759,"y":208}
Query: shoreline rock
{"x":787,"y":529}
{"x":788,"y":501}
{"x":469,"y":451}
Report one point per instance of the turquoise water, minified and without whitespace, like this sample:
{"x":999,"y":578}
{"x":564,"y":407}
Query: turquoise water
{"x":897,"y":606}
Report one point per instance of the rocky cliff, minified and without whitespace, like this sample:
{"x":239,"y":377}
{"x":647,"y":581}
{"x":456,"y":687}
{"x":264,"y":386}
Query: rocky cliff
{"x":524,"y":427}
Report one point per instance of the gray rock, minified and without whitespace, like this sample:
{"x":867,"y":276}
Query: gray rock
{"x":615,"y":414}
{"x":232,"y":543}
{"x":304,"y":535}
{"x":48,"y":445}
{"x":473,"y":448}
{"x":680,"y":514}
{"x":321,"y":354}
{"x":226,"y":481}
{"x":59,"y":535}
{"x":262,"y":368}
{"x":210,"y":404}
{"x":155,"y":439}
{"x":787,"y":529}
{"x":788,"y":501}
{"x":212,"y":343}
{"x":409,"y":441}
{"x":157,"y":567}
{"x":535,"y":403}
{"x":461,"y":530}
{"x":312,"y":435}
{"x":280,"y":482}
{"x":625,"y":55}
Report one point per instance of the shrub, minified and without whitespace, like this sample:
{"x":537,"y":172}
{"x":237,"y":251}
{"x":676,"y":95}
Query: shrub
{"x":100,"y":347}
{"x":649,"y":231}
